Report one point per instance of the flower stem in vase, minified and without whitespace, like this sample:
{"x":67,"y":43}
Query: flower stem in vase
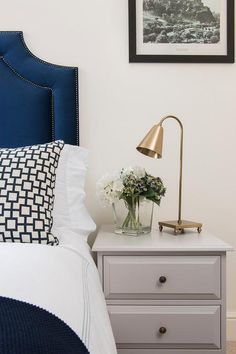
{"x":132,"y":219}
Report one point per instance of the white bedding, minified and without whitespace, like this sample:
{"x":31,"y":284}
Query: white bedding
{"x":62,"y":280}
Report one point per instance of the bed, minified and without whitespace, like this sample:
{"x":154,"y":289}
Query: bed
{"x":47,"y":292}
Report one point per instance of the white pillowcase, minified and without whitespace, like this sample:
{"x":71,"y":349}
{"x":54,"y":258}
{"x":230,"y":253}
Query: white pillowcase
{"x":69,"y":211}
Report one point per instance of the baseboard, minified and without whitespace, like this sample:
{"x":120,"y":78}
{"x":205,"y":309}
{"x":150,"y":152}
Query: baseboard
{"x":231,"y":326}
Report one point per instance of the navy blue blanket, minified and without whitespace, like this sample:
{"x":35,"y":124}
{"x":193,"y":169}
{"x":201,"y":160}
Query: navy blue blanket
{"x":28,"y":329}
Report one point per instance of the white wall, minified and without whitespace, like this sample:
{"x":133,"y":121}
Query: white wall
{"x":119,"y":102}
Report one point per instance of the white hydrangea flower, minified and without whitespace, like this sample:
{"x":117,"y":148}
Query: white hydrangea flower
{"x":118,"y":184}
{"x":109,"y":188}
{"x":139,"y":172}
{"x":127,"y":171}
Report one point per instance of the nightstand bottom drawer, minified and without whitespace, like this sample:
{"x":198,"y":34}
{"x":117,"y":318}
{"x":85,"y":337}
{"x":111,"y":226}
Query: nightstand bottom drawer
{"x":177,"y":327}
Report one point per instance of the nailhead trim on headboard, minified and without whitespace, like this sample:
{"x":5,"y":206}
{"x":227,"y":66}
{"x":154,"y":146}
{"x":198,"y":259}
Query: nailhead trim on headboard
{"x":36,"y":85}
{"x":75,"y":71}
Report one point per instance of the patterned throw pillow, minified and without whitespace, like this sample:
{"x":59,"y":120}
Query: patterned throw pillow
{"x":27,"y":181}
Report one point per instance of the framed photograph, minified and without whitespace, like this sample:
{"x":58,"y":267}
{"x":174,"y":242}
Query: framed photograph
{"x":181,"y":31}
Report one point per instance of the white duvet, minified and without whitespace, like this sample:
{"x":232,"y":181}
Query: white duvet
{"x":62,"y":280}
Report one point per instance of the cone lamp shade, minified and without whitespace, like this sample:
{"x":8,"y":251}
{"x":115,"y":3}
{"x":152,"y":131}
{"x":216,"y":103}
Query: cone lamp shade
{"x":152,"y":144}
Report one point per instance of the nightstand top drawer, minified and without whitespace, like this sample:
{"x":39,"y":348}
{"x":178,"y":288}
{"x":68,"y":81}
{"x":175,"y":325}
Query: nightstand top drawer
{"x":191,"y":241}
{"x":162,"y":277}
{"x":177,"y":327}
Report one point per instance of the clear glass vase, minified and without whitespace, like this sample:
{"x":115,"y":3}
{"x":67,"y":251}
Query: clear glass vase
{"x":133,"y":218}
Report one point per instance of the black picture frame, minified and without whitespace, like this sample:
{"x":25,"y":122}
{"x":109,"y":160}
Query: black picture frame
{"x":140,"y":58}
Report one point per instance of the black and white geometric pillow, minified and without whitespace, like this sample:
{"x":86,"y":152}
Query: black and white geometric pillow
{"x":27,"y":181}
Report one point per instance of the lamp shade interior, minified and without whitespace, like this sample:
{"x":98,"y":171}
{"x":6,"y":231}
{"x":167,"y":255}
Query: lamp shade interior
{"x":148,"y":152}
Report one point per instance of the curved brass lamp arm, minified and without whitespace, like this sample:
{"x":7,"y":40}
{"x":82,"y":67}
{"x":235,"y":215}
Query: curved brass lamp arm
{"x":173,"y":117}
{"x":181,"y":161}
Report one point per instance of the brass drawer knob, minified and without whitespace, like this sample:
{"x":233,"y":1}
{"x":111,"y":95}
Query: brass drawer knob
{"x":162,"y":330}
{"x":162,"y":279}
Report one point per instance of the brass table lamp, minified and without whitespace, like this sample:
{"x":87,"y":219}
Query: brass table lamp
{"x":151,"y":146}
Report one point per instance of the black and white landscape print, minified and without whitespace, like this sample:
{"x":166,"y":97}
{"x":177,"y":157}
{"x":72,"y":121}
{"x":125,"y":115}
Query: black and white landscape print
{"x":181,"y":21}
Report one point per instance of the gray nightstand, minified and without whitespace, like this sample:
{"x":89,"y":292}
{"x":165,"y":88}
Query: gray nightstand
{"x":165,"y":294}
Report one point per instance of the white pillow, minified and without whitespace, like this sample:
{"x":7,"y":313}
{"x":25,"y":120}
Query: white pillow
{"x":69,"y":210}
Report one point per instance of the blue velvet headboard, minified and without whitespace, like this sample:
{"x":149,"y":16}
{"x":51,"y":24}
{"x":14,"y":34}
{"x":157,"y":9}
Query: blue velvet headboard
{"x":38,"y":100}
